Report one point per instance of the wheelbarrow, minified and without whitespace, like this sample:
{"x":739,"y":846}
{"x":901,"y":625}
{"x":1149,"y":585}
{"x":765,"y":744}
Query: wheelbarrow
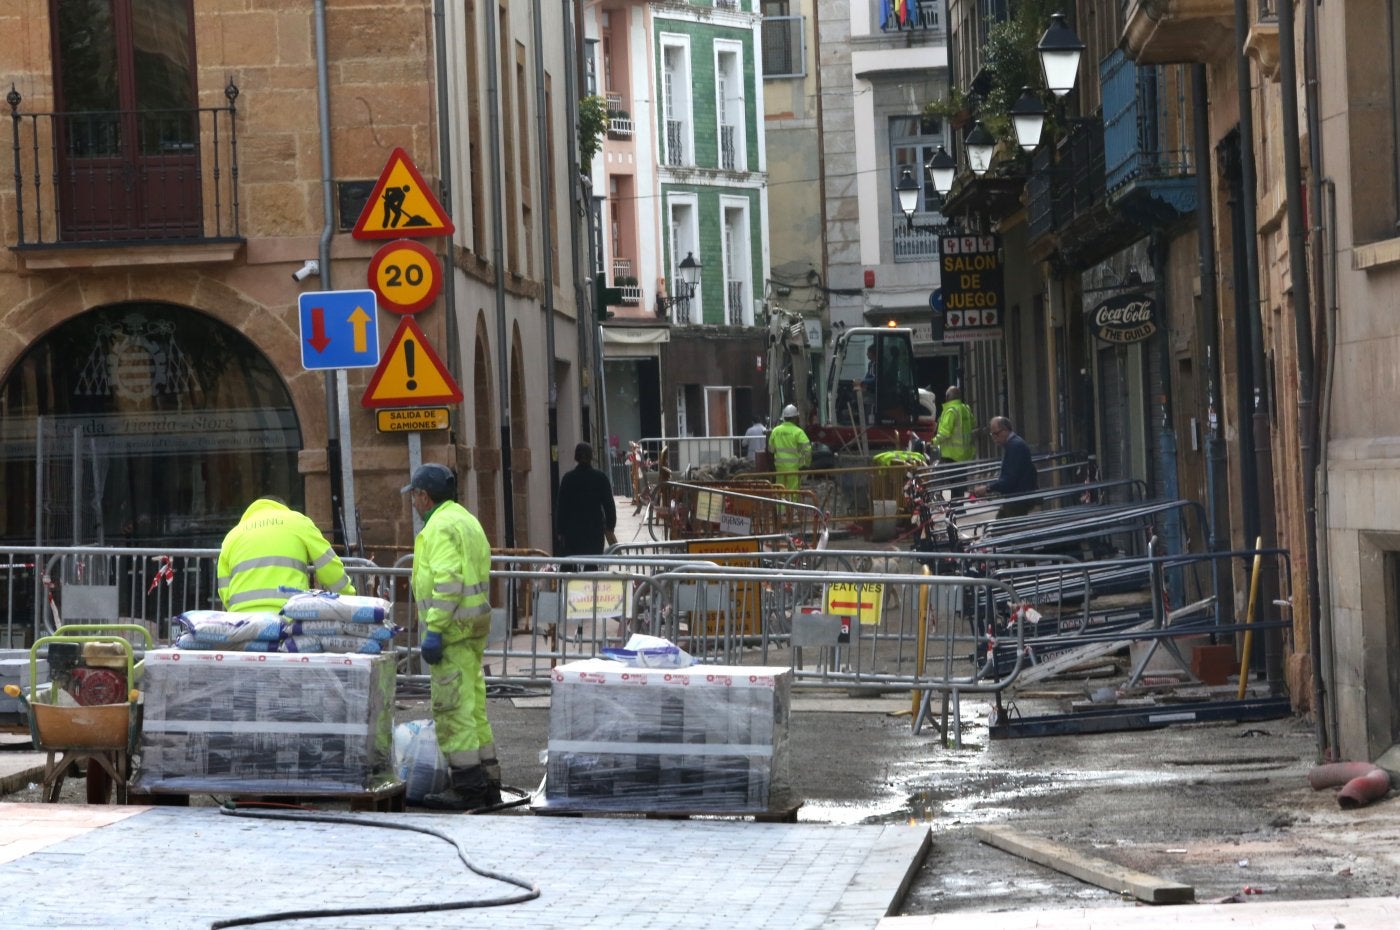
{"x":77,"y":730}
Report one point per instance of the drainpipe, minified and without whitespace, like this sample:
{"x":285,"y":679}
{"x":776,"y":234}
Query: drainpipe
{"x":1166,"y":441}
{"x":1320,"y":629}
{"x":342,"y":482}
{"x":1216,"y":492}
{"x":573,"y":78}
{"x":498,"y":258}
{"x":1302,"y":299}
{"x":1256,"y":470}
{"x":547,"y":257}
{"x":444,"y":118}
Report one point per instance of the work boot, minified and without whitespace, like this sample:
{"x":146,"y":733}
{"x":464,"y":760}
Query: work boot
{"x":493,"y":780}
{"x":469,"y":791}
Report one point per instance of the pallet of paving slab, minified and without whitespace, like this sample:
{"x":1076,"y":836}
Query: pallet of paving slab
{"x":386,"y":798}
{"x":787,"y":814}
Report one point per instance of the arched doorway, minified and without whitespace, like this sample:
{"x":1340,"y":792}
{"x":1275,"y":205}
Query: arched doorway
{"x":142,"y":423}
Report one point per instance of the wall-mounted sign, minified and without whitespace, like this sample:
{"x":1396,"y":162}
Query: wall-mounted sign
{"x":1125,"y":318}
{"x":970,"y":287}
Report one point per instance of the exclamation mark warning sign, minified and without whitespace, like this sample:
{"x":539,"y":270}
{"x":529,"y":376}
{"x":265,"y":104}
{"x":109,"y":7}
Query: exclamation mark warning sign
{"x":410,"y":374}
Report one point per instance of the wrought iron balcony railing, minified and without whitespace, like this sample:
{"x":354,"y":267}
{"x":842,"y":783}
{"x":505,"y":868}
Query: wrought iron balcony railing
{"x":1147,"y":121}
{"x":728,"y":152}
{"x":166,"y":176}
{"x":1066,"y":179}
{"x":675,"y":142}
{"x":734,"y":302}
{"x":919,"y":242}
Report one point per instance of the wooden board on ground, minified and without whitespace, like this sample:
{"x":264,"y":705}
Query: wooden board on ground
{"x":1091,"y":869}
{"x":786,"y":814}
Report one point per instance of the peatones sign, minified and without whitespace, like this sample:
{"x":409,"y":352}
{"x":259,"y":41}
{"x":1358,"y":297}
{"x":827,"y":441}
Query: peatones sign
{"x":1126,"y":318}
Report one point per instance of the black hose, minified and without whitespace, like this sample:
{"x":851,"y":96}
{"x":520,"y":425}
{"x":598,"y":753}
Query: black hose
{"x":532,"y":890}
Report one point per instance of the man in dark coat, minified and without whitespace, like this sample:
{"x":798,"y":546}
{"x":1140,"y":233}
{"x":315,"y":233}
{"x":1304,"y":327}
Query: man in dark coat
{"x":1018,"y":474}
{"x":586,"y":513}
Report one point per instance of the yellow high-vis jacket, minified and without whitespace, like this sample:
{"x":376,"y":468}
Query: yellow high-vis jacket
{"x":269,"y":555}
{"x":452,"y":574}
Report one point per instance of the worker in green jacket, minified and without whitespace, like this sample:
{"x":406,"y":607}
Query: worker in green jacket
{"x":271,"y":554}
{"x":451,"y":587}
{"x":790,"y":447}
{"x":955,"y":426}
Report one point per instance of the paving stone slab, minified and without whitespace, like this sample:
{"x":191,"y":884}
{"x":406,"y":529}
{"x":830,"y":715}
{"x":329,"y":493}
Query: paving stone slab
{"x":169,"y":868}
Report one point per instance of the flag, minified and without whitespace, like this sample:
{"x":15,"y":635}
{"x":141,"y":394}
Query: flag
{"x":901,"y":7}
{"x":884,"y":14}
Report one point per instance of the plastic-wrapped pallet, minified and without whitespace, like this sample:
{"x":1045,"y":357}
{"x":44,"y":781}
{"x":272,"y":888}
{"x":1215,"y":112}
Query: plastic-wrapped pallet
{"x":265,"y":723}
{"x":707,"y":738}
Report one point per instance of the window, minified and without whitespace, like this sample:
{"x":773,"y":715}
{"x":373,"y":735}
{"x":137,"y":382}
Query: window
{"x":738,"y":307}
{"x":685,"y":300}
{"x":913,"y":140}
{"x":729,"y":107}
{"x":125,"y":83}
{"x":676,"y":105}
{"x":783,"y":51}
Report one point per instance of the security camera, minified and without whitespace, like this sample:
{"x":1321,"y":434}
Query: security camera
{"x":308,"y":268}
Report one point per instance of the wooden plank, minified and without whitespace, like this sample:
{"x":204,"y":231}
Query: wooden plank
{"x":1091,"y":869}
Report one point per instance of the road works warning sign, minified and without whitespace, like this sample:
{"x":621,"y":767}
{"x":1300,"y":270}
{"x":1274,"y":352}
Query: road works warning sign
{"x":410,"y":374}
{"x":862,"y":601}
{"x":401,"y":205}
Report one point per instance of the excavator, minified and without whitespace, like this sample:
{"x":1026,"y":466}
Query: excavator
{"x":871,"y":401}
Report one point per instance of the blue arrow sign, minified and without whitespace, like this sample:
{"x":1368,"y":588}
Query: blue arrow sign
{"x":339,"y":329}
{"x":935,"y":301}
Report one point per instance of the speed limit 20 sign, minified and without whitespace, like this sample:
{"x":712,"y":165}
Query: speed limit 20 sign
{"x":405,"y":276}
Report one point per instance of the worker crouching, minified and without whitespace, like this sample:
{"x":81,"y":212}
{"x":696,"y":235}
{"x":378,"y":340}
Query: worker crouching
{"x":451,"y":586}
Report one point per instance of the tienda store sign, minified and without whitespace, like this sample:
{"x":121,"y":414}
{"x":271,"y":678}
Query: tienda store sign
{"x":1125,"y":318}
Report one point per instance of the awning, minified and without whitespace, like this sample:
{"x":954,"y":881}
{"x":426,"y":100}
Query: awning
{"x":634,"y":341}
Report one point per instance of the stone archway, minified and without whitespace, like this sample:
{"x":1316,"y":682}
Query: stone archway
{"x":147,"y":423}
{"x":486,"y":457}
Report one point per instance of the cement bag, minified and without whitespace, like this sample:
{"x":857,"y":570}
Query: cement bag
{"x":325,"y":605}
{"x":216,"y":628}
{"x":375,"y":631}
{"x":418,"y":761}
{"x":645,"y":651}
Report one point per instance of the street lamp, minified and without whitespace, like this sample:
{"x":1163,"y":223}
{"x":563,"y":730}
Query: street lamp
{"x":1059,"y":52}
{"x":690,"y":274}
{"x":980,"y":145}
{"x":1028,"y":118}
{"x":941,"y":170}
{"x":908,"y":190}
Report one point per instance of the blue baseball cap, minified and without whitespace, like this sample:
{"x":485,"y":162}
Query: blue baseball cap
{"x":436,"y":480}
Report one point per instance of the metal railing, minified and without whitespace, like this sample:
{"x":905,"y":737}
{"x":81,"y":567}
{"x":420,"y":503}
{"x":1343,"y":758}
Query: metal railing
{"x":621,"y":268}
{"x":675,"y":142}
{"x":125,"y":176}
{"x":728,"y":150}
{"x":734,"y":303}
{"x":919,"y":242}
{"x":1147,"y":121}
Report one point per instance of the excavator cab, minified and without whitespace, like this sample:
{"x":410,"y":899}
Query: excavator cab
{"x":871,"y":378}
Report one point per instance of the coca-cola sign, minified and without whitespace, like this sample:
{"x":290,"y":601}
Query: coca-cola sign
{"x":1125,"y":318}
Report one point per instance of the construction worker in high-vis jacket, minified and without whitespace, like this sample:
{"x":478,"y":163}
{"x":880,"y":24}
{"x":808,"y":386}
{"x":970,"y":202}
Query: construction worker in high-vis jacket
{"x":955,"y":428}
{"x":791,"y":449}
{"x":273,"y":553}
{"x":451,"y":587}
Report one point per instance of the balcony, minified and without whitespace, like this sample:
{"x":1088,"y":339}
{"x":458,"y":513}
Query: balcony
{"x":675,"y":143}
{"x":728,"y":151}
{"x":1068,"y":203}
{"x":734,"y":303}
{"x":919,"y":242}
{"x":919,"y":15}
{"x":1176,"y":31}
{"x":117,"y":180}
{"x":619,"y":120}
{"x":1148,"y":110}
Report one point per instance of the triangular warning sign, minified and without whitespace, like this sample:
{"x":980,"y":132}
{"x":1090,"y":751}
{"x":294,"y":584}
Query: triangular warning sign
{"x":401,"y":205}
{"x":410,"y":374}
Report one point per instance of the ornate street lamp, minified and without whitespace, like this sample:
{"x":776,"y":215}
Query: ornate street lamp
{"x":908,"y":190}
{"x":1059,"y":52}
{"x":980,"y":145}
{"x":941,"y":170}
{"x":1028,"y":119}
{"x":690,"y":273}
{"x":689,"y":269}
